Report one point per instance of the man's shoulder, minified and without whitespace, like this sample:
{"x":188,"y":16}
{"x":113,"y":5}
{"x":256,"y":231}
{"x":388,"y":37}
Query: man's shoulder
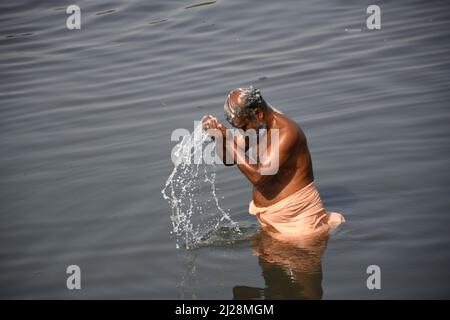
{"x":289,"y":128}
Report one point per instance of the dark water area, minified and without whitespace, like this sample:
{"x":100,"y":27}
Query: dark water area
{"x":86,"y":118}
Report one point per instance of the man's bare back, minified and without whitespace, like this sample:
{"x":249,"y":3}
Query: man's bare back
{"x":295,"y":173}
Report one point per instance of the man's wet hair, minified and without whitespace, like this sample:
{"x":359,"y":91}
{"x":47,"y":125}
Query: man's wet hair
{"x":252,"y":100}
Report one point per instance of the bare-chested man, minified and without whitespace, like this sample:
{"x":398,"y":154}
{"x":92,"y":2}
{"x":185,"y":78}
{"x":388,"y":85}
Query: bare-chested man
{"x":285,"y":202}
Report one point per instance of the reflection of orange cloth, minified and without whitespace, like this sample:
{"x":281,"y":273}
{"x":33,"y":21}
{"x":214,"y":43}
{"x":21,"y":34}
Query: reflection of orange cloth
{"x":300,"y":214}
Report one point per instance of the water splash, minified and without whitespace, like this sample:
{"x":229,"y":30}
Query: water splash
{"x":191,"y":193}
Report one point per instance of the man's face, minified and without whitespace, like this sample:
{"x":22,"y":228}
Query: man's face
{"x":244,"y":121}
{"x":236,"y":120}
{"x":253,"y":123}
{"x":237,"y":117}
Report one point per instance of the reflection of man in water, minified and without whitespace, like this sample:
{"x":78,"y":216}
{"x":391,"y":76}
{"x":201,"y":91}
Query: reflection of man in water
{"x":286,"y":203}
{"x":290,"y":270}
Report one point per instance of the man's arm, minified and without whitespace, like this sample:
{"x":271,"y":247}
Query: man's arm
{"x":226,"y":143}
{"x":218,"y":133}
{"x":276,"y":156}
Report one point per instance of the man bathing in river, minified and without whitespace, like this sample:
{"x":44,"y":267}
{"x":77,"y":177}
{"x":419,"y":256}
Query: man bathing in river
{"x":285,"y":201}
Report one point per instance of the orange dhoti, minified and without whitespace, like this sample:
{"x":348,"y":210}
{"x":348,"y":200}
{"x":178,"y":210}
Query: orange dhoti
{"x":300,"y":214}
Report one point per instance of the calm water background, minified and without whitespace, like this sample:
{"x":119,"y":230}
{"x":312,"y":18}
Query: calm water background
{"x":86,"y":118}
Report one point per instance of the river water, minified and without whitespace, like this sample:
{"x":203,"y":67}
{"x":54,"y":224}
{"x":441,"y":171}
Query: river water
{"x":86,"y":118}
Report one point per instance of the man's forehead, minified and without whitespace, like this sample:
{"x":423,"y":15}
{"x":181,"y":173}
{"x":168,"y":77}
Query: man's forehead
{"x":236,"y":98}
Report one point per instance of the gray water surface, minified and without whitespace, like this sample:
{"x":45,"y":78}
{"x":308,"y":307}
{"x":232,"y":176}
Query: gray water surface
{"x":86,"y":118}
